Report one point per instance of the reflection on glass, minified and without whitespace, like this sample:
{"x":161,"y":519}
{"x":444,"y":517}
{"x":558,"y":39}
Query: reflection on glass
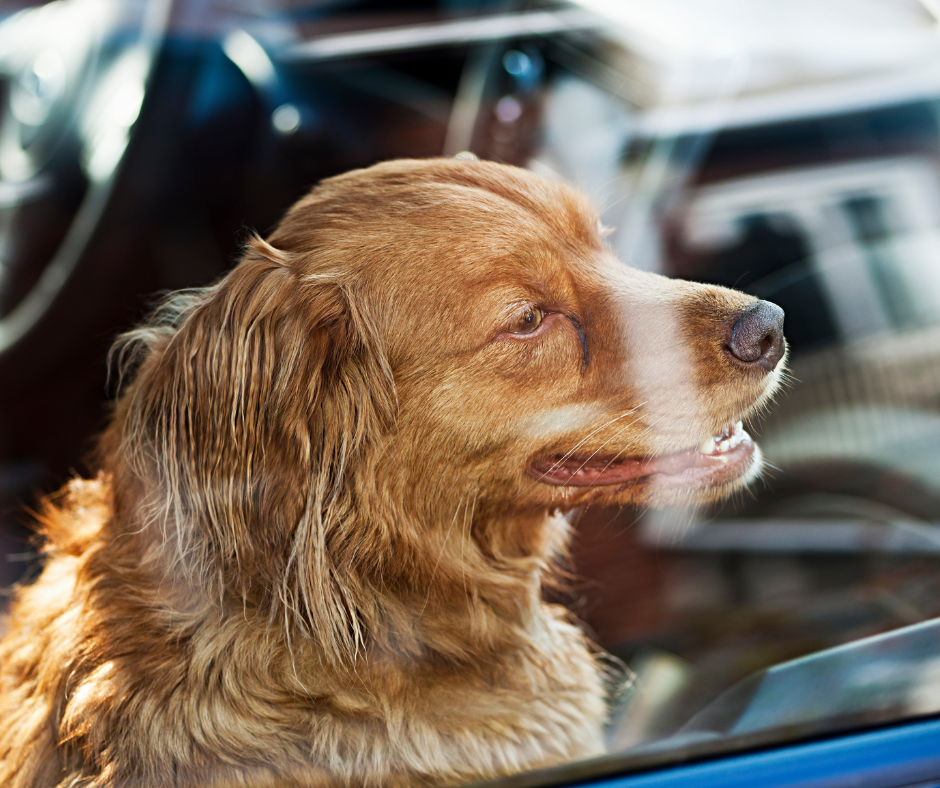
{"x":812,"y":179}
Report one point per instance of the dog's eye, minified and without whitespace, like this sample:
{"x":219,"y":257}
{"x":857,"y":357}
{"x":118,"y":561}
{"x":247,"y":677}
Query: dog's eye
{"x":528,"y":321}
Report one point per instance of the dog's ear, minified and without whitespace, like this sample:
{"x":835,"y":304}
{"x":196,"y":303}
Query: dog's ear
{"x":252,"y":403}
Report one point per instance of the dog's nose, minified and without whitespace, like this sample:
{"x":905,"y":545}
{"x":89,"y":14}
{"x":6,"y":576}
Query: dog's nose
{"x":757,"y":336}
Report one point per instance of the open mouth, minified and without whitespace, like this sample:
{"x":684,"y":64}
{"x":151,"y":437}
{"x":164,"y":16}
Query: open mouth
{"x":721,"y":459}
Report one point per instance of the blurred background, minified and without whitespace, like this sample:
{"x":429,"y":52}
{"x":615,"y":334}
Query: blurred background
{"x":790,"y":149}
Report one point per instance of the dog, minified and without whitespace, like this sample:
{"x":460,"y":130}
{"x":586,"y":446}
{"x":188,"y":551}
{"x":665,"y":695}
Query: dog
{"x":334,"y":484}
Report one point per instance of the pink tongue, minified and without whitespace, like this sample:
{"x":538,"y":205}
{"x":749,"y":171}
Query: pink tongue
{"x":575,"y":472}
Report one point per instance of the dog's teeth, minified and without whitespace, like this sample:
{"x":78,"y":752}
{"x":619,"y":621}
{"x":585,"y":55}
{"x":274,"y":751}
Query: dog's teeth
{"x":729,"y":438}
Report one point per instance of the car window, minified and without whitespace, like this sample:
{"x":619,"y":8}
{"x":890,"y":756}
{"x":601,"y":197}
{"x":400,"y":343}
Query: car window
{"x":725,"y":145}
{"x":752,"y":159}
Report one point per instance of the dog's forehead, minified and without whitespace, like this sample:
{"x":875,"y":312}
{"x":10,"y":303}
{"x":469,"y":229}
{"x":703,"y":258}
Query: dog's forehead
{"x":493,"y":220}
{"x":498,"y":253}
{"x":444,"y":198}
{"x":441,"y":227}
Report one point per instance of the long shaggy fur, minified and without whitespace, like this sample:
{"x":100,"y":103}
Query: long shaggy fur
{"x":312,"y":555}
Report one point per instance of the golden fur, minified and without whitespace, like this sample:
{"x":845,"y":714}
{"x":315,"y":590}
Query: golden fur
{"x":313,"y":555}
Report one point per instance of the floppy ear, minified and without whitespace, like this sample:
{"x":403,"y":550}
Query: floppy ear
{"x":252,"y":404}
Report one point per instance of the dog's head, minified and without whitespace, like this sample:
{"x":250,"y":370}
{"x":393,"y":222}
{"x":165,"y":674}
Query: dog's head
{"x":527,"y":360}
{"x":423,"y":336}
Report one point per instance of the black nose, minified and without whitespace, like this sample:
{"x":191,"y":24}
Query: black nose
{"x":757,"y":336}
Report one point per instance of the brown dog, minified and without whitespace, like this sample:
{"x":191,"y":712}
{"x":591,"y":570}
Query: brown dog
{"x":330,"y":493}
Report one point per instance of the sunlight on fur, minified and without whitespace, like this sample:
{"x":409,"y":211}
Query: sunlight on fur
{"x":336,"y":481}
